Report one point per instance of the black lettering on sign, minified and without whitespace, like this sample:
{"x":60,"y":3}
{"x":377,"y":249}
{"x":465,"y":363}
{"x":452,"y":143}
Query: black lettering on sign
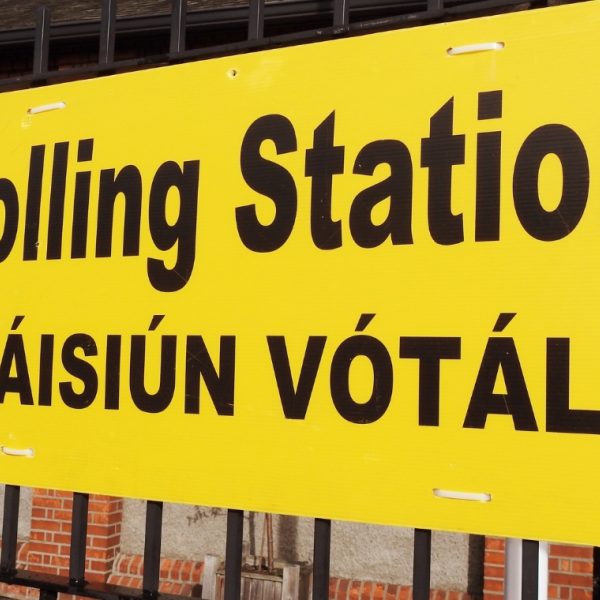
{"x":199,"y":365}
{"x":295,"y":399}
{"x":397,"y":188}
{"x":554,"y":224}
{"x":81,"y":369}
{"x":439,"y":153}
{"x":560,"y":418}
{"x":429,"y":351}
{"x":383,"y":379}
{"x":323,"y":161}
{"x":500,"y":355}
{"x":269,"y":179}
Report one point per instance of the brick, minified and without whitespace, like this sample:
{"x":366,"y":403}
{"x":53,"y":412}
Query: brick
{"x":562,"y":550}
{"x":366,"y":591}
{"x":343,"y":586}
{"x":553,"y":591}
{"x":581,"y":566}
{"x":492,"y":543}
{"x":354,"y":590}
{"x":405,"y":593}
{"x":493,"y":585}
{"x":43,"y":548}
{"x":175,"y":569}
{"x":44,"y":525}
{"x":578,"y":594}
{"x":186,"y":569}
{"x":569,"y":579}
{"x":493,"y":572}
{"x":496,"y":558}
{"x":62,"y":515}
{"x":391,"y":591}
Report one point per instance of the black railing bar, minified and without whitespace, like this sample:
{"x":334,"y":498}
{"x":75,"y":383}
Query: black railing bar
{"x":58,"y":583}
{"x":232,"y":16}
{"x":107,"y":31}
{"x":341,"y":14}
{"x":48,"y":594}
{"x":152,"y":545}
{"x":321,"y":559}
{"x":10,"y":523}
{"x":530,"y":570}
{"x":41,"y":45}
{"x":178,"y":26}
{"x":233,"y":554}
{"x":256,"y":19}
{"x":422,"y":564}
{"x":435,"y":5}
{"x":596,"y":574}
{"x":79,"y":521}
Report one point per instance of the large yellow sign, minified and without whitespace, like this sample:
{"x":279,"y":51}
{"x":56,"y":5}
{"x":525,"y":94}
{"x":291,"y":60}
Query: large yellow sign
{"x":357,"y":279}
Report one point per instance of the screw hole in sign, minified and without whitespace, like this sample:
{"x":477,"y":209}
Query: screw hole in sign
{"x":232,"y":73}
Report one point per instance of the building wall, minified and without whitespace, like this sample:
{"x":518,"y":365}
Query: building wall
{"x":358,"y":551}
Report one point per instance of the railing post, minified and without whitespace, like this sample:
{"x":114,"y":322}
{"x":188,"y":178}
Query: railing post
{"x":233,"y":554}
{"x":321,"y":559}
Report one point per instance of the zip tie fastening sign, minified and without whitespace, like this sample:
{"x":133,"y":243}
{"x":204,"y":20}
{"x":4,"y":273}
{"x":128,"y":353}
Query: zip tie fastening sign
{"x":35,"y":110}
{"x":455,"y":495}
{"x":472,"y":48}
{"x":28,"y":452}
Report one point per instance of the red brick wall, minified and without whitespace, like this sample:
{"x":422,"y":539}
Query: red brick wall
{"x":570,"y":570}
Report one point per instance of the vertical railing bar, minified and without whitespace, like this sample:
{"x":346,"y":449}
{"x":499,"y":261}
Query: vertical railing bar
{"x":530,"y":570}
{"x":48,"y":594}
{"x":79,"y":521}
{"x":435,"y":5}
{"x":321,"y":559}
{"x":341,"y":13}
{"x":107,"y":32}
{"x":41,"y":46}
{"x":152,"y":545}
{"x":233,"y":554}
{"x":10,"y":525}
{"x":178,"y":26}
{"x":422,"y":564}
{"x":256,"y":19}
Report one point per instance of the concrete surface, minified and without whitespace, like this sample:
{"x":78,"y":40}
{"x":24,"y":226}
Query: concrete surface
{"x":24,"y":511}
{"x":358,"y":551}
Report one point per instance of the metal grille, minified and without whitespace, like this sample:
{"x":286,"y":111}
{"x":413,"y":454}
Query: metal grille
{"x":184,"y":36}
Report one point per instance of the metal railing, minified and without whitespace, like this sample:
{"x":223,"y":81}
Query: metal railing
{"x":218,"y":32}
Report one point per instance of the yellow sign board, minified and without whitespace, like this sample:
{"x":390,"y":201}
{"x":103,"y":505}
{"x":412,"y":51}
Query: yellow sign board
{"x":356,"y":279}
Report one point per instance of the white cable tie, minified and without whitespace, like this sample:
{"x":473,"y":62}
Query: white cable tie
{"x":471,"y":48}
{"x":17,"y":451}
{"x":455,"y":495}
{"x":46,"y":107}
